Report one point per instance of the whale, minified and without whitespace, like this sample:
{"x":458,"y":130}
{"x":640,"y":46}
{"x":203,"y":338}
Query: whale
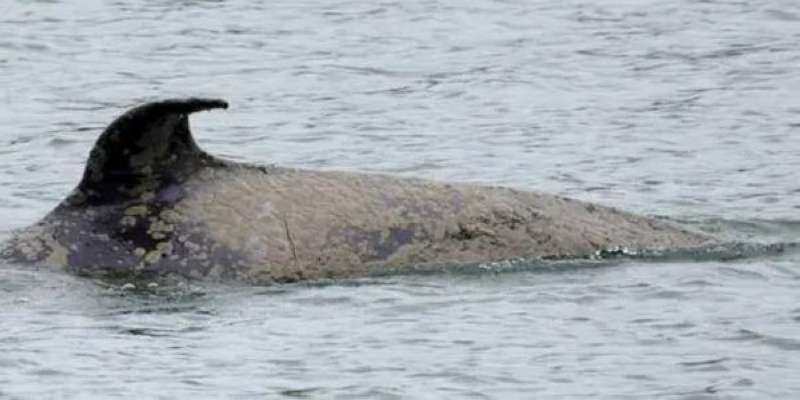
{"x":152,"y":203}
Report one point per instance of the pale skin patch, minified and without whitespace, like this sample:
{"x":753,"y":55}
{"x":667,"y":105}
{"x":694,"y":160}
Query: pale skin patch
{"x":162,"y":249}
{"x":170,"y":216}
{"x":137,"y":211}
{"x":59,"y":255}
{"x":147,"y":196}
{"x":128,"y":221}
{"x":159,"y":229}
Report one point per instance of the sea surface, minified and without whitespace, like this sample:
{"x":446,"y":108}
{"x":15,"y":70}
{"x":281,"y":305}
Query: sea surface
{"x":687,"y":110}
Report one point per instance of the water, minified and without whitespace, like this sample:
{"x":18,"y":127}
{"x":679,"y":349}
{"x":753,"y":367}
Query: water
{"x":685,"y":109}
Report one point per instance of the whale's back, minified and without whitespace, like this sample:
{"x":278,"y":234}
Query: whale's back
{"x":293,"y":224}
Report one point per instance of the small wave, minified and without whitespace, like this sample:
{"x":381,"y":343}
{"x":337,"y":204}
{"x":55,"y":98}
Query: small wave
{"x":726,"y":251}
{"x":779,"y":342}
{"x":722,"y":252}
{"x":744,"y":230}
{"x":703,"y":363}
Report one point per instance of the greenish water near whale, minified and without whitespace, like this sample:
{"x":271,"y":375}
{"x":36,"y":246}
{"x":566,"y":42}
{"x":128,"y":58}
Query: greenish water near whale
{"x":685,"y":110}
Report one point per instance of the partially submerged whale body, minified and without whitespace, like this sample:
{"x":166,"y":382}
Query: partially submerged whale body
{"x":151,"y":202}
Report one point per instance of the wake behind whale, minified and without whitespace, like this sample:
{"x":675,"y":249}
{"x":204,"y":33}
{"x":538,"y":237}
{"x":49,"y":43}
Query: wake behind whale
{"x":151,"y":202}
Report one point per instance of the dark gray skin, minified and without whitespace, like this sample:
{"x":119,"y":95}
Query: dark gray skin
{"x":152,"y":203}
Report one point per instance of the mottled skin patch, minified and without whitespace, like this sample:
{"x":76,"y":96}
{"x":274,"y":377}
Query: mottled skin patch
{"x":152,"y":203}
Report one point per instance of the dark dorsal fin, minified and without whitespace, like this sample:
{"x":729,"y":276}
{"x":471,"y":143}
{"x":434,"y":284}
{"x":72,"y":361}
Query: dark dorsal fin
{"x":149,"y":145}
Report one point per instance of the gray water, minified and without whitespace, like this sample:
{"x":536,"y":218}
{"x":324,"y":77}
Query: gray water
{"x":683,"y":109}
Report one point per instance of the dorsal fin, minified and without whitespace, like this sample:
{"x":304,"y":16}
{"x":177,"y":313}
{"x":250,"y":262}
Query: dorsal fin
{"x":148,"y":145}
